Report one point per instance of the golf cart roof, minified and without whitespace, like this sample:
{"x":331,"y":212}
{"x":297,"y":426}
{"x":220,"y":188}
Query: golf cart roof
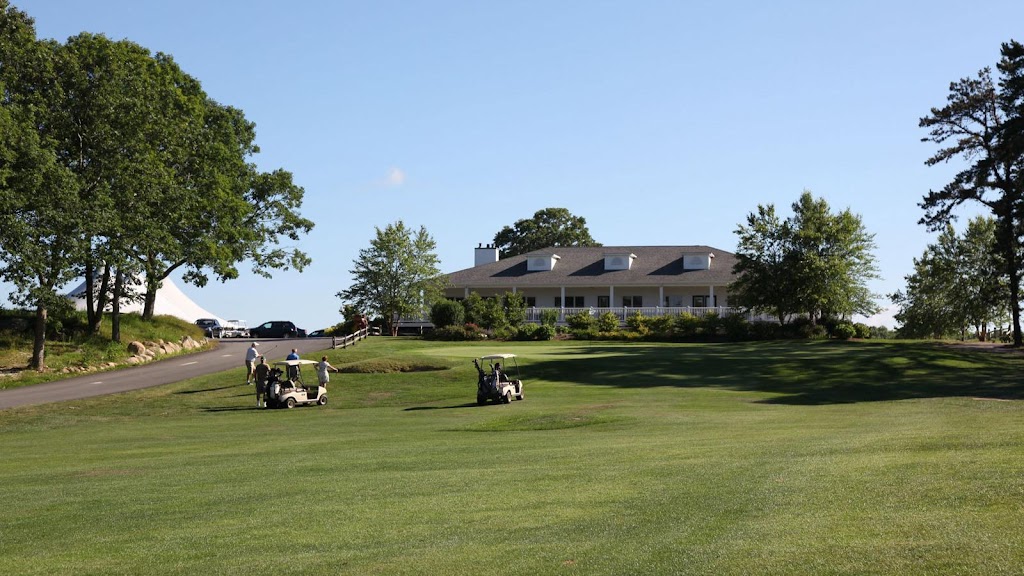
{"x":497,"y":356}
{"x":293,"y":362}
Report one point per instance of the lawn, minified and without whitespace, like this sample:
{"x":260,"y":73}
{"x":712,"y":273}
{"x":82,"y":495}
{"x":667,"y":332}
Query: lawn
{"x":759,"y":458}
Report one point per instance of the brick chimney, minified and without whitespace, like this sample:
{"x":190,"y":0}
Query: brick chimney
{"x":484,"y":255}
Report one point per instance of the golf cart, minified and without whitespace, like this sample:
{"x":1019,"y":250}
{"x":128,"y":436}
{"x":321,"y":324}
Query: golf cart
{"x":285,"y":388}
{"x":499,"y":385}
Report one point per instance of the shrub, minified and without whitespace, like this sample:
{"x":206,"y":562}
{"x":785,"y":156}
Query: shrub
{"x":711,"y":323}
{"x":607,"y":322}
{"x":765,"y":330}
{"x":446,"y":313}
{"x":844,"y":331}
{"x":637,"y":322}
{"x":579,"y":321}
{"x":590,"y":333}
{"x":515,"y":309}
{"x":535,"y":332}
{"x":661,"y":326}
{"x":548,"y":317}
{"x":474,"y":307}
{"x":455,"y":333}
{"x":736,"y":328}
{"x":862,"y":330}
{"x":493,"y":314}
{"x":544,"y":332}
{"x":687,"y":325}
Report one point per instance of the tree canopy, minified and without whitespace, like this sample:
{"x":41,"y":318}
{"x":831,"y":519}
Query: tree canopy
{"x":815,"y":262}
{"x":548,"y":227}
{"x":114,"y":163}
{"x":983,"y":124}
{"x":397,"y":276}
{"x":958,"y":283}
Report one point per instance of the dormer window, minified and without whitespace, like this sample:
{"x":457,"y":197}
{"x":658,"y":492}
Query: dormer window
{"x":542,"y":263}
{"x":619,"y":261}
{"x":697,"y":261}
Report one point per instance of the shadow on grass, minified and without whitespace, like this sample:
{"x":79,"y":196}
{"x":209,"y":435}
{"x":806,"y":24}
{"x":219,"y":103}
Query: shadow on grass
{"x":805,"y":373}
{"x":418,"y":408}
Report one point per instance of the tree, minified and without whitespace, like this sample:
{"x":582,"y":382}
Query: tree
{"x":764,"y":267}
{"x":814,"y":262}
{"x":983,"y":123}
{"x":548,"y":227}
{"x":39,"y":210}
{"x":397,"y":275}
{"x":958,"y":283}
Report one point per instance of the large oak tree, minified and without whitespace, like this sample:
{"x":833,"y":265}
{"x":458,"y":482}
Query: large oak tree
{"x":548,"y":227}
{"x":815,"y":262}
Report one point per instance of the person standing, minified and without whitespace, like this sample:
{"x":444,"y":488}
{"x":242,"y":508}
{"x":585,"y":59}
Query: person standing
{"x":250,"y":360}
{"x":293,"y":371}
{"x":262,"y":374}
{"x":322,"y":368}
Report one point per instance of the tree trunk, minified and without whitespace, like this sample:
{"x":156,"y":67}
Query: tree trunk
{"x":97,"y":298}
{"x":115,"y":320}
{"x":1012,"y":268}
{"x":149,"y":308}
{"x":39,"y":342}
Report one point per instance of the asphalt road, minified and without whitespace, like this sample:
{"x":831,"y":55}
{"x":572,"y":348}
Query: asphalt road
{"x":228,"y":354}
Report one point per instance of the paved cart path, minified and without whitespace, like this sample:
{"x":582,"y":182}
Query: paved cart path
{"x":228,"y":354}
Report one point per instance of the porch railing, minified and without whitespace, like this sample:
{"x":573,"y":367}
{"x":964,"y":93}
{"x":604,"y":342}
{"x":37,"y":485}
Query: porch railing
{"x":533,"y":315}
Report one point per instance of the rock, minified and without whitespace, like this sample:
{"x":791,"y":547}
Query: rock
{"x":134,"y":360}
{"x":136,"y":348}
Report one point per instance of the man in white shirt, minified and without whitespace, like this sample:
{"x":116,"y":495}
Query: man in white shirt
{"x":250,"y":362}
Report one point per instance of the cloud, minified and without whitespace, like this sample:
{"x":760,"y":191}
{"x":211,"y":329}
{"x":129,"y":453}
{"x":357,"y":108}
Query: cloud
{"x":395,"y":177}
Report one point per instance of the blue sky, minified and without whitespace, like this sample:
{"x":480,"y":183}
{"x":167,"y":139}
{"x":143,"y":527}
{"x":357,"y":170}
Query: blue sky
{"x":661,"y":123}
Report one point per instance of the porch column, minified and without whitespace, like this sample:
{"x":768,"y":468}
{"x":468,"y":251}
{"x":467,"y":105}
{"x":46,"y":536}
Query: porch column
{"x":711,"y":297}
{"x":465,"y":292}
{"x":562,"y":301}
{"x":611,"y":296}
{"x":661,"y":295}
{"x":513,"y":289}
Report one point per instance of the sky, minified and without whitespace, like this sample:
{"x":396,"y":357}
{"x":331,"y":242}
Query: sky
{"x":659,"y":122}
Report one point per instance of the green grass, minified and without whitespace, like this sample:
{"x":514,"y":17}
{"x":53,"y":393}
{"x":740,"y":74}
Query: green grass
{"x":765,"y":458}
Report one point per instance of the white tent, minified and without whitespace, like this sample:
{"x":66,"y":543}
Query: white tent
{"x":170,"y":300}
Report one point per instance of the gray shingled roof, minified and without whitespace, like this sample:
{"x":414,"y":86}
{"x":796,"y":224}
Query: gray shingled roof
{"x":584,"y":266}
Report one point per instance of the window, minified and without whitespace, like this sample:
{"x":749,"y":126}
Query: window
{"x":674,"y":301}
{"x":570,"y":302}
{"x":604,"y":302}
{"x":633,"y":301}
{"x":702,"y":301}
{"x":531,"y":301}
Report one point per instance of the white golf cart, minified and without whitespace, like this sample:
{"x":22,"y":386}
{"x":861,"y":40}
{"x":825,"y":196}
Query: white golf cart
{"x":285,"y":388}
{"x":499,"y":385}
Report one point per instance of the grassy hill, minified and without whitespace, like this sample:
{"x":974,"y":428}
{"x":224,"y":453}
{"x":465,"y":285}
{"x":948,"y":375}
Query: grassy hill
{"x":763,"y":458}
{"x":69,"y":347}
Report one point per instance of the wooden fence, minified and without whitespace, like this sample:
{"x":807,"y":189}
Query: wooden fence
{"x":350,"y":340}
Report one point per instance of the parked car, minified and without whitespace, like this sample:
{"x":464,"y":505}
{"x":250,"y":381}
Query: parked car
{"x":277,"y":329}
{"x":317,"y":333}
{"x":211,"y":327}
{"x":234,"y":329}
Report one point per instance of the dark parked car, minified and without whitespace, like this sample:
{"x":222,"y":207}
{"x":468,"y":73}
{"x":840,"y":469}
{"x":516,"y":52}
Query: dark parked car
{"x":277,"y":329}
{"x":210,"y":326}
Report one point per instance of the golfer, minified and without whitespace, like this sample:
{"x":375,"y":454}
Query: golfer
{"x":250,"y":360}
{"x":322,"y":368}
{"x":262,"y":373}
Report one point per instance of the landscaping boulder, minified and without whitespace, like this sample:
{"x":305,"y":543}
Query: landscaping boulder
{"x":136,"y":348}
